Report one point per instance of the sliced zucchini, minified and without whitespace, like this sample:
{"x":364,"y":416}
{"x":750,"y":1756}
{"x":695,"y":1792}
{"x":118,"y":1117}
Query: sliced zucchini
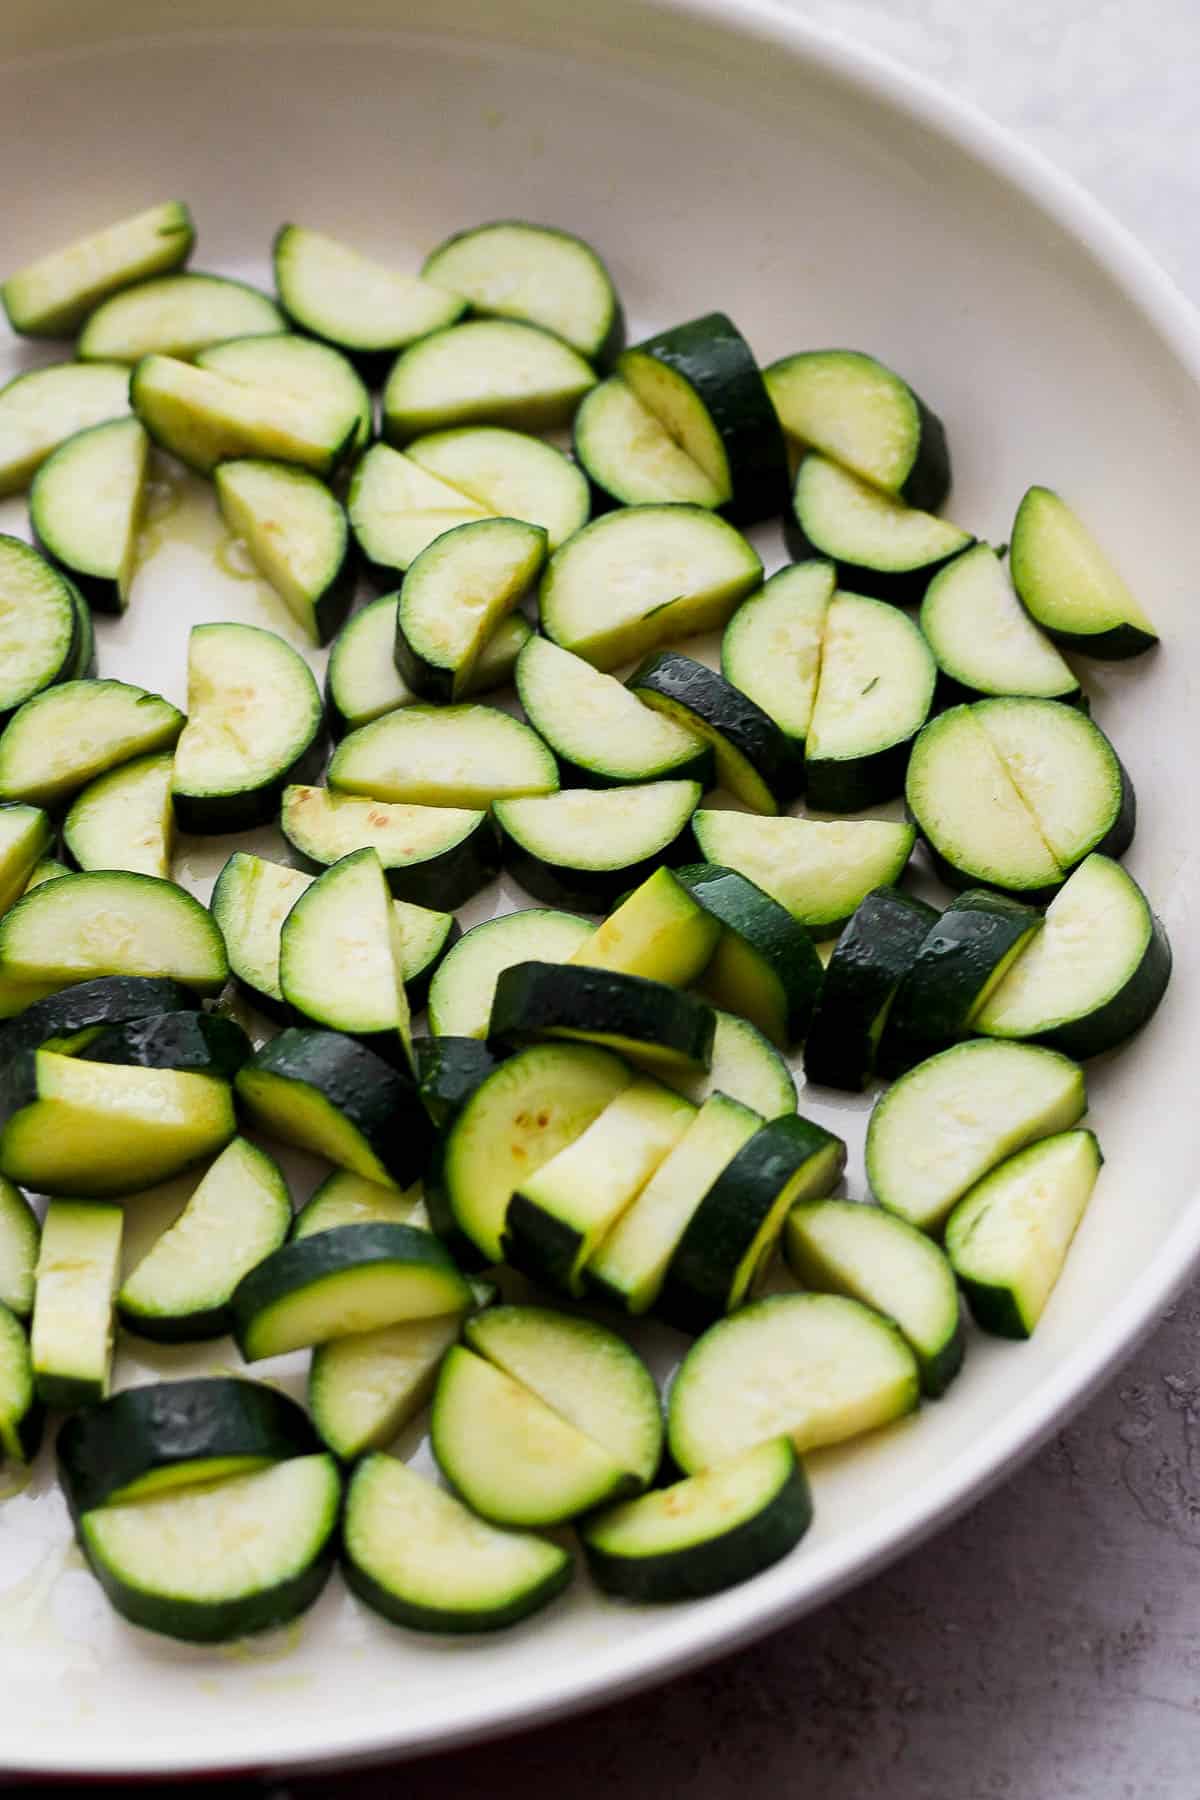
{"x":85,"y":507}
{"x":397,"y":508}
{"x":212,"y":1563}
{"x":175,"y":315}
{"x":44,"y":407}
{"x":19,"y":1235}
{"x":746,"y":1067}
{"x":22,"y":1414}
{"x":323,"y":1092}
{"x":587,"y":846}
{"x":842,"y":1247}
{"x":462,"y":756}
{"x":39,"y":626}
{"x":764,"y":965}
{"x":25,"y":836}
{"x":206,"y":1043}
{"x":752,"y":757}
{"x":1068,"y":584}
{"x":874,"y":693}
{"x":859,"y":412}
{"x":296,"y":365}
{"x":510,"y":474}
{"x":340,"y":958}
{"x":83,"y":661}
{"x":449,"y":1069}
{"x":347,"y":1199}
{"x":429,"y":853}
{"x":204,"y":418}
{"x":819,"y":871}
{"x":643,"y":577}
{"x":363,"y":1389}
{"x":1066,"y":772}
{"x":630,"y":456}
{"x":111,"y":923}
{"x":870,"y":960}
{"x":65,"y":1020}
{"x":1008,"y":1238}
{"x":250,"y":900}
{"x":771,"y":649}
{"x":457,"y":592}
{"x":486,"y":372}
{"x":55,"y":294}
{"x":881,"y":547}
{"x":297,"y":536}
{"x":425,"y":937}
{"x":48,"y":869}
{"x":353,"y":301}
{"x":510,"y":269}
{"x":658,"y":931}
{"x":124,"y":820}
{"x":654,"y":1024}
{"x":462,"y":991}
{"x":982,"y":637}
{"x":362,"y":681}
{"x":62,"y":739}
{"x":1000,"y":1097}
{"x":71,"y":1336}
{"x":254,"y":725}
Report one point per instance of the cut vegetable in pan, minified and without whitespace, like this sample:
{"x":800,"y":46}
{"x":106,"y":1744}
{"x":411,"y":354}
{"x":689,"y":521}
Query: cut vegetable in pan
{"x":820,"y":872}
{"x":459,"y":756}
{"x":62,"y":739}
{"x":630,"y":456}
{"x":881,"y":546}
{"x":297,"y":536}
{"x":764,"y":965}
{"x":587,"y":846}
{"x":752,"y":759}
{"x":85,"y":507}
{"x":462,"y":991}
{"x":295,"y":365}
{"x":125,"y":820}
{"x":486,"y":372}
{"x":40,"y":628}
{"x":746,"y":1066}
{"x":982,"y":637}
{"x":511,"y":269}
{"x":52,"y":296}
{"x":455,"y":596}
{"x":659,"y":930}
{"x":351,"y":300}
{"x":1068,"y":583}
{"x":771,"y":649}
{"x":205,"y":418}
{"x":874,"y":692}
{"x":175,"y":315}
{"x":44,"y":407}
{"x":429,"y":853}
{"x":870,"y":961}
{"x":510,"y":474}
{"x":341,"y":962}
{"x":71,"y":1336}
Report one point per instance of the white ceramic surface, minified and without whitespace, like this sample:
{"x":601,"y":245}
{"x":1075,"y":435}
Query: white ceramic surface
{"x":718,"y":156}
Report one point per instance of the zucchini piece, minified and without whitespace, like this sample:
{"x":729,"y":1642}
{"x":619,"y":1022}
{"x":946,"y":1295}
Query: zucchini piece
{"x":449,"y":1069}
{"x":180,"y":1292}
{"x":486,"y":372}
{"x":83,"y":661}
{"x":631,"y":458}
{"x":560,"y":1214}
{"x":703,"y":1534}
{"x":20,"y":1233}
{"x":85,"y":507}
{"x":340,"y":957}
{"x":210,"y":1564}
{"x":771,"y":649}
{"x":1067,"y":773}
{"x":1092,"y":976}
{"x":870,"y":961}
{"x":425,"y":937}
{"x":147,"y":1441}
{"x":55,"y":294}
{"x":22,"y":1414}
{"x":701,"y":382}
{"x":464,"y":987}
{"x":298,"y":366}
{"x":397,"y":508}
{"x":646,"y":1020}
{"x":860,"y":413}
{"x":600,"y":732}
{"x":204,"y":418}
{"x":421,"y":1559}
{"x":456,"y":593}
{"x":630,"y":1264}
{"x":463,"y":756}
{"x":362,"y":681}
{"x":48,"y":869}
{"x":44,"y":407}
{"x":60,"y":740}
{"x":25,"y":836}
{"x":746,"y":1067}
{"x":71,"y":1336}
{"x":874,"y":693}
{"x":752,"y":757}
{"x":364,"y":1389}
{"x":658,"y":931}
{"x":206,"y":1043}
{"x":820,"y":871}
{"x":250,"y":900}
{"x":64,"y":1020}
{"x":510,"y":269}
{"x":322,"y":1092}
{"x":983,"y":639}
{"x":511,"y":475}
{"x":531,"y":1107}
{"x":837,"y":1368}
{"x":843,"y":1247}
{"x":124,"y":820}
{"x":175,"y":315}
{"x":347,"y":1199}
{"x":1001,"y":1097}
{"x":1068,"y":583}
{"x":297,"y":536}
{"x":966,"y":955}
{"x":429,"y":854}
{"x":351,"y":300}
{"x":109,"y":922}
{"x":731,"y":1237}
{"x":254,"y":726}
{"x":1008,"y":1238}
{"x":333,"y":1283}
{"x":643,"y":577}
{"x":881,"y":547}
{"x":39,"y":626}
{"x":588,"y":846}
{"x":764,"y":966}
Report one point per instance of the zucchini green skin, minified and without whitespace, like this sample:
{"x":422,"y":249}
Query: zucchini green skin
{"x":418,"y":982}
{"x":391,"y":1606}
{"x":536,"y":1000}
{"x":1127,"y":1011}
{"x":449,"y":1069}
{"x":717,"y":710}
{"x":22,"y":1409}
{"x":870,"y":960}
{"x":205,"y":1042}
{"x":901,"y":587}
{"x":103,"y":1448}
{"x":585,"y":890}
{"x":769,"y":931}
{"x":108,"y":1000}
{"x":852,"y":784}
{"x":442,"y":882}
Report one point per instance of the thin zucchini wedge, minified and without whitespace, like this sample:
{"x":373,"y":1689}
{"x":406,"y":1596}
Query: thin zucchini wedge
{"x":631,"y":458}
{"x":71,"y":1335}
{"x":1008,"y":1238}
{"x":109,"y":922}
{"x":347,"y":1199}
{"x":398,"y":508}
{"x":510,"y":269}
{"x":486,"y":372}
{"x":732,"y":1234}
{"x":205,"y":418}
{"x":124,"y":820}
{"x":643,"y":577}
{"x":1092,"y":976}
{"x":430,"y":854}
{"x":64,"y":1021}
{"x":881,"y":547}
{"x":752,"y":757}
{"x":838,"y":1369}
{"x":254,"y":726}
{"x":859,"y":412}
{"x":83,"y":660}
{"x":297,"y":536}
{"x":175,"y":315}
{"x":420,"y":1558}
{"x":363,"y":1389}
{"x":323,"y":1092}
{"x":843,"y":1247}
{"x":39,"y":626}
{"x":22,"y":1413}
{"x":510,"y":474}
{"x":63,"y":738}
{"x":47,"y":869}
{"x":983,"y":639}
{"x":870,"y":960}
{"x":54,"y":295}
{"x":20,"y":1233}
{"x":464,"y":987}
{"x":874,"y":693}
{"x":250,"y":900}
{"x":147,"y":1441}
{"x":362,"y":681}
{"x":25,"y":836}
{"x":350,"y":300}
{"x":259,"y":1548}
{"x":462,"y":756}
{"x":340,"y":962}
{"x":449,"y":1069}
{"x":561,"y":1213}
{"x":771,"y":649}
{"x":659,"y":931}
{"x":425,"y":937}
{"x":703,"y":1534}
{"x":1067,"y":773}
{"x":298,"y":366}
{"x":206,"y":1043}
{"x":588,"y":846}
{"x":85,"y":507}
{"x":654,"y":1024}
{"x":747,"y":1067}
{"x":1068,"y":583}
{"x":763,"y":966}
{"x":1002,"y":1097}
{"x":819,"y":871}
{"x":455,"y":595}
{"x":44,"y":407}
